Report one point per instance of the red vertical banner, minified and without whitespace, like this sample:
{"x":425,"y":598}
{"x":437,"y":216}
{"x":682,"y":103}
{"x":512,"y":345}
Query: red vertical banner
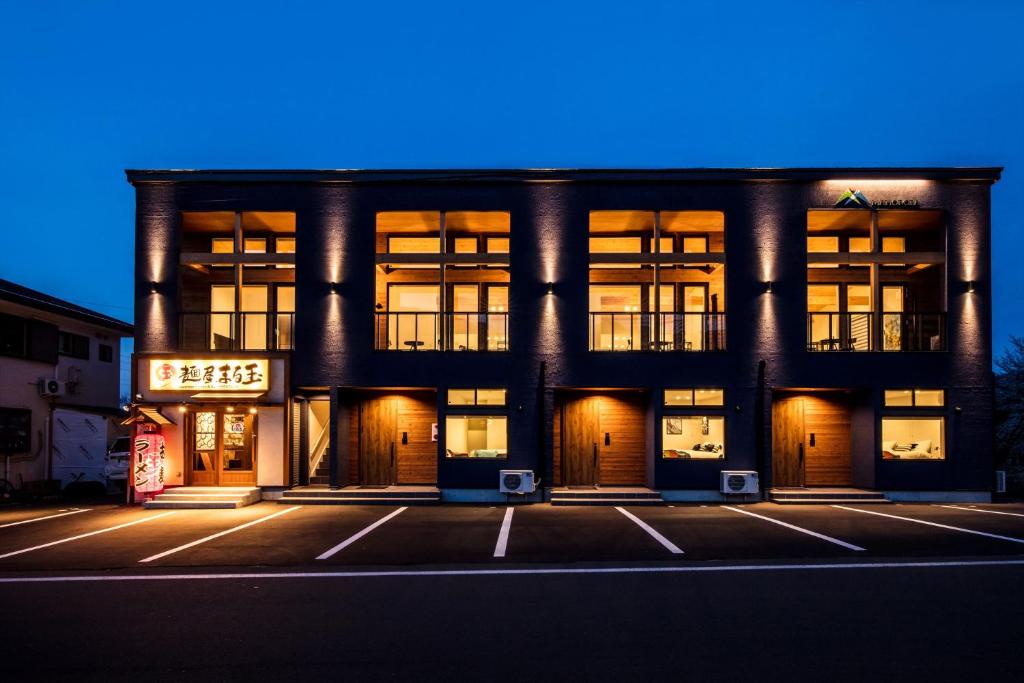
{"x":147,"y":465}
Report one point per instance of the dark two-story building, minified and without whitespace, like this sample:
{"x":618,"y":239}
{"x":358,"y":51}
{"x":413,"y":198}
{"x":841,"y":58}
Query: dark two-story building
{"x":613,"y":328}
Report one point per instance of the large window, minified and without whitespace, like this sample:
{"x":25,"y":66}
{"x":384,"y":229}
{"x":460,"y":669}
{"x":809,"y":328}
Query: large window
{"x":74,"y":345}
{"x":657,"y":281}
{"x":473,"y":426}
{"x":442,"y":280}
{"x":689,"y":431}
{"x":861,"y":298}
{"x":913,"y":438}
{"x":222,"y":249}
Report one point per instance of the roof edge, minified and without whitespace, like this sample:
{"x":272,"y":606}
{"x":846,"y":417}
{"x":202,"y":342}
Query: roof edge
{"x":31,"y":298}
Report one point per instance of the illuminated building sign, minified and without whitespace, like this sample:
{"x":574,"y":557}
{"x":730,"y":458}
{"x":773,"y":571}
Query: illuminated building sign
{"x":206,"y":374}
{"x":855,"y":199}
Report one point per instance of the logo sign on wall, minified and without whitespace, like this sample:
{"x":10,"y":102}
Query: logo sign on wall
{"x":855,"y":199}
{"x":228,"y":374}
{"x":148,"y":465}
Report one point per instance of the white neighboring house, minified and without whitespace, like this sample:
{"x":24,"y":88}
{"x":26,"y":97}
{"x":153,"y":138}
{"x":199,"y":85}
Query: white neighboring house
{"x":61,"y":363}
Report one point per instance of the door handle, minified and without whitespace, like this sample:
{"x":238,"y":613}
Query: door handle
{"x":801,"y":451}
{"x":595,"y":454}
{"x":392,"y":453}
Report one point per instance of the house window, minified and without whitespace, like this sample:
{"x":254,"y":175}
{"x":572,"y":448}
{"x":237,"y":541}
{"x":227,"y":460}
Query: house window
{"x":694,"y":397}
{"x":222,"y":245}
{"x":255,"y":245}
{"x":913,"y":438}
{"x":13,"y":336}
{"x":914,"y":398}
{"x":497,"y":245}
{"x":693,"y":437}
{"x":476,"y":397}
{"x":476,"y":436}
{"x":106,"y":353}
{"x":74,"y":345}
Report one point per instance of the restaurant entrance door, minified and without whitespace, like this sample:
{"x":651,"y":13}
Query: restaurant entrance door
{"x":222,"y":446}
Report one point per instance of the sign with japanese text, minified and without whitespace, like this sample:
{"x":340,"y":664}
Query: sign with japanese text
{"x":229,"y":374}
{"x":148,"y":464}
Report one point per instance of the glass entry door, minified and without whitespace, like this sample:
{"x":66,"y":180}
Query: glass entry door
{"x":223,"y":447}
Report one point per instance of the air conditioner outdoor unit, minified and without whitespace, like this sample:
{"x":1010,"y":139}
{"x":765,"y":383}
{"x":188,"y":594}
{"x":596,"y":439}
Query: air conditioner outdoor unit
{"x":51,"y":387}
{"x":516,"y":481}
{"x":739,"y":482}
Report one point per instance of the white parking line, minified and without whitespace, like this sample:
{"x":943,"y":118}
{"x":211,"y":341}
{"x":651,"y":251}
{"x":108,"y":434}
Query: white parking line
{"x":506,"y":524}
{"x":794,"y":527}
{"x":40,"y":519}
{"x":669,"y":545}
{"x":991,"y":512}
{"x":355,"y":537}
{"x":220,"y":533}
{"x":91,"y":533}
{"x":935,"y":524}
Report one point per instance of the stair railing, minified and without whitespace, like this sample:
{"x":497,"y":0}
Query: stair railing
{"x":319,"y":448}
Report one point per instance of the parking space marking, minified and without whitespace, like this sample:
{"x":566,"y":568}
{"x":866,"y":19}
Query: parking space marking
{"x":669,"y":545}
{"x":219,"y":534}
{"x":40,"y":519}
{"x":506,"y":525}
{"x":935,"y":524}
{"x":794,"y":527}
{"x":356,"y":536}
{"x":991,"y":512}
{"x":86,"y":535}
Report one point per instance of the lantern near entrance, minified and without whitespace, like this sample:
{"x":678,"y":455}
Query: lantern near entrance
{"x":148,"y":465}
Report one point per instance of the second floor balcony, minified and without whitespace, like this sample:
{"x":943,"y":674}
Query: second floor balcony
{"x":876,"y":331}
{"x":430,"y":331}
{"x":216,"y":331}
{"x":657,"y":331}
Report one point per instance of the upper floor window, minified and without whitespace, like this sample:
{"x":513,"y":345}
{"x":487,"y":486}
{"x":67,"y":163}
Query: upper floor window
{"x":238,"y":287}
{"x":74,"y":345}
{"x":657,"y":281}
{"x":875,"y":280}
{"x":442,"y":281}
{"x":106,"y":353}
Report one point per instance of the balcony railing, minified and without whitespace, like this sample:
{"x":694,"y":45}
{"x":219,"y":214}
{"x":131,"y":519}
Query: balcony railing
{"x":476,"y":331}
{"x":657,"y":331}
{"x":859,"y":332}
{"x":215,"y":331}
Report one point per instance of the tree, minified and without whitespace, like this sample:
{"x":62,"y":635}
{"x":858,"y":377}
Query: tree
{"x":1009,"y":408}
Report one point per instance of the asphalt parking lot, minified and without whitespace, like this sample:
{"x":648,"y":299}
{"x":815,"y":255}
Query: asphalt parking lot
{"x":106,"y":537}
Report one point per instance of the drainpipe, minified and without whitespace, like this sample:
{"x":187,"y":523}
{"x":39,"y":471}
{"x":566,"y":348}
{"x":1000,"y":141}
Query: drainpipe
{"x":760,"y":426}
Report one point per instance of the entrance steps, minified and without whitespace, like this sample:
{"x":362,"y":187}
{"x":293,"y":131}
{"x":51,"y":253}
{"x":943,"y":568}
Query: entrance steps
{"x":204,"y":497}
{"x":355,"y":495}
{"x":606,"y":495}
{"x":824,"y":496}
{"x":321,"y":476}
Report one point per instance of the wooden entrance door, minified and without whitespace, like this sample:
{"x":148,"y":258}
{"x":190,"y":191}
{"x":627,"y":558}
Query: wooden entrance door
{"x":788,"y":441}
{"x":581,"y":432}
{"x":222,"y":447}
{"x":378,"y":427}
{"x":811,"y":441}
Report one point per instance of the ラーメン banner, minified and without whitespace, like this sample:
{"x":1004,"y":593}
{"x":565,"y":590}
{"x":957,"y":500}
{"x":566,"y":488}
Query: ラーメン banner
{"x":207,"y":374}
{"x":147,"y":465}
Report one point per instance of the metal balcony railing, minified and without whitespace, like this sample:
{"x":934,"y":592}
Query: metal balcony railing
{"x":657,"y":331}
{"x":476,"y":331}
{"x":876,"y":331}
{"x":217,"y":331}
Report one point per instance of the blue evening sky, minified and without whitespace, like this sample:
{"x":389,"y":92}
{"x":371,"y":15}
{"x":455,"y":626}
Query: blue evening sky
{"x":88,"y":89}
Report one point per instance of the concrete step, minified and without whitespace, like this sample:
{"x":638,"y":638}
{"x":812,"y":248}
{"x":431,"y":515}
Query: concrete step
{"x":311,"y":492}
{"x":193,"y":505}
{"x":824,"y":495}
{"x":560,"y":501}
{"x":209,"y":497}
{"x":831,"y":501}
{"x":353,"y":500}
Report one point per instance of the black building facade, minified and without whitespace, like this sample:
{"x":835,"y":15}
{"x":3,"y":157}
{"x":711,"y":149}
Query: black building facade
{"x":821,"y":327}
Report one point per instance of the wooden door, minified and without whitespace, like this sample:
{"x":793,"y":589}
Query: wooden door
{"x":378,"y":426}
{"x":580,"y":434}
{"x":827,"y":440}
{"x":788,"y":441}
{"x":622,"y":446}
{"x":204,"y":447}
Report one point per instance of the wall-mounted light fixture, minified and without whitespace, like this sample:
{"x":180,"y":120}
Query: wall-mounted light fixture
{"x":252,"y":411}
{"x":551,"y":288}
{"x":767,"y":286}
{"x":182,"y":408}
{"x":970,"y":286}
{"x":334,"y":288}
{"x":152,"y":287}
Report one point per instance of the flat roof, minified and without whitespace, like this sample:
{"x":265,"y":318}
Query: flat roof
{"x":18,"y":294}
{"x":988,"y":174}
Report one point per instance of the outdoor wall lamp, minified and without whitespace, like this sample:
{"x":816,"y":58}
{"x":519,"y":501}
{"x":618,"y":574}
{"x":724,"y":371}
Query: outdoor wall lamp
{"x":152,"y":287}
{"x":551,"y":288}
{"x":767,"y":286}
{"x":970,"y":286}
{"x":334,"y":288}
